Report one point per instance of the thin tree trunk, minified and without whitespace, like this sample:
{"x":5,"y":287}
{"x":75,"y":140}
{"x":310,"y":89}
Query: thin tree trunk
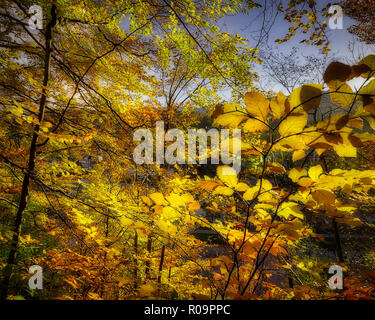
{"x":339,"y":254}
{"x":31,"y":162}
{"x":148,"y":262}
{"x":161,"y":263}
{"x":135,"y":254}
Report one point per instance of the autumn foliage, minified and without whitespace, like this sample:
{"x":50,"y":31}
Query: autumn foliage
{"x":73,"y":200}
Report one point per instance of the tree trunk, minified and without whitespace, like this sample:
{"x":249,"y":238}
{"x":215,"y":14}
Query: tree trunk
{"x":31,"y":162}
{"x":135,"y":254}
{"x":339,"y":254}
{"x":148,"y":262}
{"x":161,"y":263}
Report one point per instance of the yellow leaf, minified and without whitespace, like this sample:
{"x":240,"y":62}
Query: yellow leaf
{"x":298,"y":154}
{"x":188,"y":197}
{"x":369,"y":61}
{"x":345,"y":150}
{"x":242,"y":187}
{"x":371,"y":121}
{"x":126,"y":222}
{"x":147,"y":200}
{"x":158,"y":198}
{"x":166,"y":227}
{"x":279,"y":105}
{"x":194,"y":206}
{"x":325,"y":196}
{"x":275,"y":168}
{"x":296,"y":173}
{"x":209,"y":185}
{"x":227,"y":175}
{"x":369,"y":89}
{"x":290,"y":208}
{"x":266,"y":185}
{"x":257,"y":104}
{"x":176,"y":200}
{"x":230,"y":120}
{"x":305,"y":182}
{"x":344,"y":95}
{"x":254,"y":125}
{"x":232,"y":116}
{"x":251,"y":193}
{"x":315,"y":172}
{"x":308,"y":96}
{"x":225,"y":191}
{"x":293,"y":123}
{"x":170,"y":213}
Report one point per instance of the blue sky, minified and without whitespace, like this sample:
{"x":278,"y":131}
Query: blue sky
{"x":248,"y":26}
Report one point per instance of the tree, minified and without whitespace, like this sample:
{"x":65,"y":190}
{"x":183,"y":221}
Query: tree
{"x":92,"y":79}
{"x":363,"y":12}
{"x":102,"y":226}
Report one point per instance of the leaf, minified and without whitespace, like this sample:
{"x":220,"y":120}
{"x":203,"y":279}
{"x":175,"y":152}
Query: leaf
{"x":225,"y":191}
{"x":345,"y":150}
{"x":305,"y":182}
{"x":275,"y":168}
{"x":170,"y":213}
{"x":176,"y":200}
{"x":251,"y":193}
{"x":369,"y":61}
{"x":333,"y":137}
{"x":209,"y":185}
{"x":158,"y":198}
{"x":166,"y":227}
{"x":368,"y":89}
{"x":293,"y":123}
{"x":147,"y":200}
{"x":241,"y":187}
{"x":315,"y":172}
{"x":355,"y":123}
{"x":227,"y":175}
{"x":344,"y":95}
{"x":308,"y":96}
{"x":296,"y":173}
{"x":342,"y":121}
{"x":230,"y":120}
{"x":337,"y":71}
{"x":290,"y":208}
{"x":219,"y":109}
{"x":126,"y":222}
{"x":279,"y":106}
{"x":325,"y":196}
{"x":257,"y":104}
{"x":254,"y":125}
{"x":360,"y":69}
{"x":232,"y":116}
{"x":371,"y":121}
{"x":369,"y":105}
{"x":298,"y":154}
{"x":355,"y":141}
{"x":266,"y":185}
{"x":194,"y":206}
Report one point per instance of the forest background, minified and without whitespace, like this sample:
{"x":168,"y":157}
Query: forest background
{"x":101,"y":226}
